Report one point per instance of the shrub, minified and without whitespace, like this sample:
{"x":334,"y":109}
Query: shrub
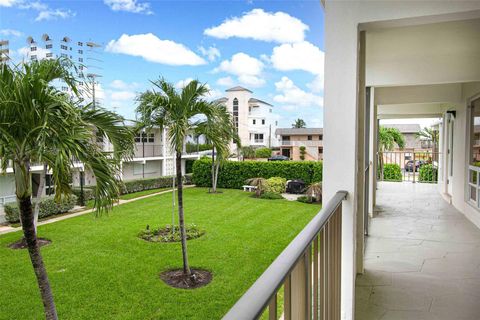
{"x":303,"y":152}
{"x":188,"y":178}
{"x":275,"y":185}
{"x":88,"y":193}
{"x":263,"y":153}
{"x":189,"y":165}
{"x":247,"y":152}
{"x":192,"y":147}
{"x":428,"y":173}
{"x":148,"y":184}
{"x":392,"y":172}
{"x":271,"y":196}
{"x":166,"y":235}
{"x":48,"y":207}
{"x":305,"y":199}
{"x":233,"y":174}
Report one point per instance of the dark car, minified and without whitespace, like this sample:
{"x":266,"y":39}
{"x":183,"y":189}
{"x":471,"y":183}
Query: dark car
{"x":409,"y":165}
{"x":278,"y":157}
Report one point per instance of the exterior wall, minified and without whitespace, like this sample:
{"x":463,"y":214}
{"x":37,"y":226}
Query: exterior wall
{"x":311,"y":147}
{"x":259,"y":112}
{"x":342,"y":22}
{"x":134,"y":170}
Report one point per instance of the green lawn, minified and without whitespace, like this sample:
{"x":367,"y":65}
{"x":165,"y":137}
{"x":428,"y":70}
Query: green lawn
{"x":99,"y":269}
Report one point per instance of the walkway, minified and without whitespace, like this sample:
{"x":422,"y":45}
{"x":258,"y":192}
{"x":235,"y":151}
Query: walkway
{"x":8,"y":229}
{"x":422,"y":259}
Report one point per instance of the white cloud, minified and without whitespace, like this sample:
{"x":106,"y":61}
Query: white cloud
{"x":214,"y":94}
{"x":10,"y":32}
{"x":122,"y":95}
{"x":122,"y":85}
{"x":211,"y":53}
{"x":247,"y":69}
{"x":182,"y":83}
{"x":292,"y":96}
{"x":129,"y":6}
{"x":225,"y":82}
{"x":54,"y":14}
{"x":298,"y":56}
{"x":7,"y":3}
{"x":153,"y":49}
{"x":317,"y":84}
{"x":260,"y":25}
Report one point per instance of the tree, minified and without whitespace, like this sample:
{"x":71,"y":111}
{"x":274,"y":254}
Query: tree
{"x":432,"y":135}
{"x":387,"y":139}
{"x":247,"y":152}
{"x":260,"y":183}
{"x":40,"y":124}
{"x":299,"y":123}
{"x":303,"y":152}
{"x":219,"y":131}
{"x":314,"y":192}
{"x":180,"y":113}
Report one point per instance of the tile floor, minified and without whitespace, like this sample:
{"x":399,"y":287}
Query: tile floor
{"x":422,"y":259}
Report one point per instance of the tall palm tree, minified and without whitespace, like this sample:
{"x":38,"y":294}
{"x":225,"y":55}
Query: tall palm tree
{"x":299,"y":123}
{"x":388,"y":138}
{"x":180,"y":113}
{"x":40,"y":124}
{"x":219,"y":131}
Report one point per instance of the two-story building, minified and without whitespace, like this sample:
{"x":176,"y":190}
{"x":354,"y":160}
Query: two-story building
{"x":295,"y":142}
{"x":254,"y":118}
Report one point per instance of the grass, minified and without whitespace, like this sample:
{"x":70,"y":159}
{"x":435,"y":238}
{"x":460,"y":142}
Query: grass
{"x":100,"y":269}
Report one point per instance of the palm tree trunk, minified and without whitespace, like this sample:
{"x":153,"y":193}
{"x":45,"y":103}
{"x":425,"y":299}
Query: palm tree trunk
{"x":216,"y":174}
{"x":181,"y":218}
{"x":23,"y":185}
{"x":41,"y":187}
{"x":214,"y":189}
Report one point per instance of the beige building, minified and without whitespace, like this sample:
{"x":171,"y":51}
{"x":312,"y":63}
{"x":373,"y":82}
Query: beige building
{"x":291,"y":141}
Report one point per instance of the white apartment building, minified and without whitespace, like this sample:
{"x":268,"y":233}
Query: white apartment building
{"x":253,"y":118}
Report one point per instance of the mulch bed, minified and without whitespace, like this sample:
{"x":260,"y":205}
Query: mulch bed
{"x":175,"y":278}
{"x":22,"y":244}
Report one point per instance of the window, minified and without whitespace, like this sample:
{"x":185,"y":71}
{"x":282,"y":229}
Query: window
{"x":49,"y":55}
{"x":320,"y":137}
{"x":258,"y":137}
{"x":309,"y":138}
{"x":320,"y":150}
{"x":235,"y":113}
{"x":63,"y":47}
{"x":270,"y":110}
{"x":254,"y":121}
{"x":80,"y":44}
{"x":80,"y":59}
{"x":63,"y":55}
{"x":33,"y":57}
{"x":144,"y":137}
{"x":80,"y":51}
{"x":48,"y":46}
{"x":276,"y":123}
{"x":263,"y":121}
{"x":33,"y":48}
{"x":286,"y":138}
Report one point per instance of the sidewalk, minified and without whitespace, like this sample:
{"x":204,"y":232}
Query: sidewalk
{"x":8,"y":229}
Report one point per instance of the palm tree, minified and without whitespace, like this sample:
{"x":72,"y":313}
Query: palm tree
{"x":430,"y":134}
{"x":219,"y":131}
{"x":314,"y":191}
{"x":180,"y":113}
{"x":299,"y":123}
{"x":258,"y":182}
{"x":388,"y":138}
{"x":40,"y":124}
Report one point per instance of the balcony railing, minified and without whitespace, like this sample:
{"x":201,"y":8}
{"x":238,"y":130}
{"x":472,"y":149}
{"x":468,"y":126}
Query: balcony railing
{"x":309,"y":270}
{"x":7,"y":199}
{"x":148,"y":150}
{"x":299,"y":143}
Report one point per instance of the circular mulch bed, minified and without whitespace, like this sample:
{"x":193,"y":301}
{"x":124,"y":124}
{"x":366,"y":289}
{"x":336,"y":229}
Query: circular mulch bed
{"x":22,"y":244}
{"x":176,"y":279}
{"x":165,"y":234}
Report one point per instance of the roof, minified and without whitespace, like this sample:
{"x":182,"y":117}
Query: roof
{"x":222,"y":99}
{"x":405,"y":128}
{"x":238,"y":88}
{"x":298,"y":131}
{"x":253,"y":100}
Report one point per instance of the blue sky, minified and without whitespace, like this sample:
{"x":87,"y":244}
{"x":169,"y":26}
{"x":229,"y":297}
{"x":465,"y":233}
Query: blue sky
{"x":275,"y":48}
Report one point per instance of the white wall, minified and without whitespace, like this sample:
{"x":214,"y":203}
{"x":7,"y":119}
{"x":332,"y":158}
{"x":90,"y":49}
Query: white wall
{"x":342,"y":23}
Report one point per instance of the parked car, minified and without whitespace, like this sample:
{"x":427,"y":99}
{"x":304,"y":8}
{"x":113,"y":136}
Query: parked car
{"x":278,"y":157}
{"x":409,"y":165}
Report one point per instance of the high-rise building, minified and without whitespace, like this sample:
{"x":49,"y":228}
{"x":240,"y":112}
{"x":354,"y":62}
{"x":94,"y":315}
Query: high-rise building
{"x":84,"y":55}
{"x":4,"y":51}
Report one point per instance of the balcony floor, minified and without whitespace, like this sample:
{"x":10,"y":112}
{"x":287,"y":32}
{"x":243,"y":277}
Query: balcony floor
{"x":422,"y":259}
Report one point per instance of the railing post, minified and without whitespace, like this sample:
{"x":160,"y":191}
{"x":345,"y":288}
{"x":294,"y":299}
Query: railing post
{"x":298,"y":290}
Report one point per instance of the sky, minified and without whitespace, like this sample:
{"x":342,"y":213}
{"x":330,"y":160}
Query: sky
{"x":274,"y":48}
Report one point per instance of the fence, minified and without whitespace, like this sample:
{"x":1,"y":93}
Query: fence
{"x":412,"y":166}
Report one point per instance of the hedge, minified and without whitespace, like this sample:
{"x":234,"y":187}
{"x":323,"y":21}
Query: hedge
{"x":234,"y":173}
{"x":88,"y":193}
{"x":392,"y":172}
{"x":428,"y":173}
{"x":152,"y":183}
{"x":263,"y":153}
{"x":48,"y":207}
